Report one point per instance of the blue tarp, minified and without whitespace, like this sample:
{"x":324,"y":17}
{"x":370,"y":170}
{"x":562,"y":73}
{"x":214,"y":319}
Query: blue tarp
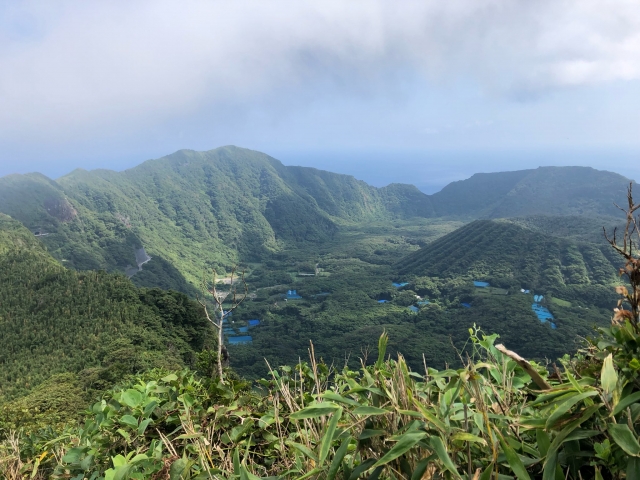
{"x":423,"y":302}
{"x":400,"y":285}
{"x":414,"y":309}
{"x":537,"y":298}
{"x":383,"y":301}
{"x":253,"y":323}
{"x":240,"y":339}
{"x":466,"y":305}
{"x":543,"y":314}
{"x":293,"y":295}
{"x":480,"y":284}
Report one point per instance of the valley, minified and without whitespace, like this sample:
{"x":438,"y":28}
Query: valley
{"x":340,"y":244}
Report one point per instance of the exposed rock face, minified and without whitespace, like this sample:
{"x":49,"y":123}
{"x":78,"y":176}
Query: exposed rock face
{"x":60,"y":208}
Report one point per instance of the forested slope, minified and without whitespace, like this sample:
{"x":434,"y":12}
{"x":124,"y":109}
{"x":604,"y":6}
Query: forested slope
{"x":510,"y":255}
{"x":54,"y":320}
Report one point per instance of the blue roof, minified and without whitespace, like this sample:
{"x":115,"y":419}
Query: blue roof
{"x":400,"y":285}
{"x":293,"y":295}
{"x":414,"y":309}
{"x":253,"y":323}
{"x":383,"y":301}
{"x":466,"y":305}
{"x":423,"y":302}
{"x":480,"y":284}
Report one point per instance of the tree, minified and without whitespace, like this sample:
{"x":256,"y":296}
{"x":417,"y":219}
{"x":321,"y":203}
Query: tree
{"x":219,"y":313}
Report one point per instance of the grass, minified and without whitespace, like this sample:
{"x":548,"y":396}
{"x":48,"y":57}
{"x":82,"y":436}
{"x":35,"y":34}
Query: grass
{"x":560,"y":302}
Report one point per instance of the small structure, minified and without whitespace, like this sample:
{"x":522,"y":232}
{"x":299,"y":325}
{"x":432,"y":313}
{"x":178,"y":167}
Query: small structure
{"x":383,"y":301}
{"x":423,"y":302}
{"x":253,"y":323}
{"x":480,"y":284}
{"x":293,"y":295}
{"x":414,"y":309}
{"x":466,"y":305}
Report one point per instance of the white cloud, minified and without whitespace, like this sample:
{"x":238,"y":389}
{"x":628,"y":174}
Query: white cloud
{"x":77,"y":67}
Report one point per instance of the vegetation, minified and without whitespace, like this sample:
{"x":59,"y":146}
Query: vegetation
{"x":97,"y":325}
{"x":101,"y":379}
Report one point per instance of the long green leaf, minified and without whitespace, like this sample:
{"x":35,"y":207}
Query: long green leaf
{"x":625,"y":438}
{"x":440,"y":449}
{"x":566,"y":405}
{"x":468,"y":437}
{"x":512,"y":457}
{"x":429,"y":417}
{"x":365,"y":410}
{"x":403,"y":445}
{"x":327,"y":438}
{"x":337,"y":459}
{"x":363,"y":467}
{"x":625,"y":402}
{"x":339,"y":399}
{"x":303,"y":449}
{"x":315,"y":410}
{"x":633,"y":468}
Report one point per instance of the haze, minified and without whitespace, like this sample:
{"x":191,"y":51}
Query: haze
{"x":419,"y":92}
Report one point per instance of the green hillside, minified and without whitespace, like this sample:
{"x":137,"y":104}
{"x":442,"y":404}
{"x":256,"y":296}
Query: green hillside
{"x":543,"y":191}
{"x":510,"y":255}
{"x":55,"y":320}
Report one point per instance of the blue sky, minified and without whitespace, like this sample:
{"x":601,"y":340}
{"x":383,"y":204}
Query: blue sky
{"x":419,"y":92}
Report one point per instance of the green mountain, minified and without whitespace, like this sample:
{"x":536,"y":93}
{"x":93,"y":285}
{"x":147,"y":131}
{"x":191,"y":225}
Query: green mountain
{"x":512,"y":256}
{"x":195,"y":209}
{"x":55,"y":320}
{"x":543,"y":191}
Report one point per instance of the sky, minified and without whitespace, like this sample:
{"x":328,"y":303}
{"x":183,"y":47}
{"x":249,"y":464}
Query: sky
{"x":423,"y":92}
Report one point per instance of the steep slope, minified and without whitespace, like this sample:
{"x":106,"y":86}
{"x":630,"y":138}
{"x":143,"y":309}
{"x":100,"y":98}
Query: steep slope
{"x":55,"y":320}
{"x":510,"y":255}
{"x":543,"y":191}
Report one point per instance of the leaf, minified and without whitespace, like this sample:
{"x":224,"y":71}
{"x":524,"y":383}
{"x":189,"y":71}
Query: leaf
{"x":382,"y":349}
{"x":327,"y":438}
{"x":339,"y":398}
{"x":512,"y":457}
{"x":441,"y":451}
{"x":118,"y":461}
{"x":431,"y":418}
{"x":625,"y":438}
{"x":633,"y":468}
{"x":404,"y":444}
{"x":421,"y":467}
{"x":121,"y":472}
{"x":367,"y":433}
{"x":337,"y":459}
{"x":468,"y":437}
{"x":543,"y":441}
{"x":625,"y":402}
{"x":129,"y":420}
{"x":566,"y":405}
{"x":369,"y":411}
{"x":608,"y":375}
{"x":486,"y":475}
{"x":172,"y":377}
{"x":315,"y":411}
{"x":177,"y":469}
{"x":246,"y":474}
{"x":143,"y":426}
{"x":363,"y":467}
{"x":132,"y":398}
{"x":303,"y":449}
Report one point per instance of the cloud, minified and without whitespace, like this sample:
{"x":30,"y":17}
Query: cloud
{"x":76,"y":68}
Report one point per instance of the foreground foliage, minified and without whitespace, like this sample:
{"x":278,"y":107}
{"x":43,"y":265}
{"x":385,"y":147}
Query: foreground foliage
{"x":381,"y":421}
